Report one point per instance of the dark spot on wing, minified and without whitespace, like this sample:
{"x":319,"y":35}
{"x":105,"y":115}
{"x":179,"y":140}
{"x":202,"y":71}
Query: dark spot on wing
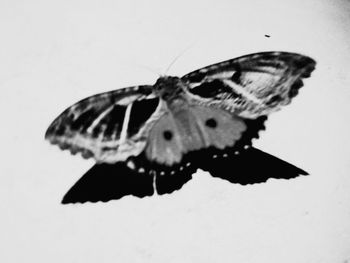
{"x":211,"y":123}
{"x":168,"y":135}
{"x":141,"y":111}
{"x":236,"y":77}
{"x":267,"y":36}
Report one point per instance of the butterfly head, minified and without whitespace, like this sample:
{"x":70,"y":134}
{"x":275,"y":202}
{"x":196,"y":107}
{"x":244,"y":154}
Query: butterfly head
{"x":168,"y":87}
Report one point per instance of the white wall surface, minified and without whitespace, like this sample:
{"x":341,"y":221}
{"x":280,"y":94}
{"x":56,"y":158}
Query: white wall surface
{"x":54,"y":53}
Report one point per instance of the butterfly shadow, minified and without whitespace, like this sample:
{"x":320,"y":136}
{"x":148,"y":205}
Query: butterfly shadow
{"x":105,"y":182}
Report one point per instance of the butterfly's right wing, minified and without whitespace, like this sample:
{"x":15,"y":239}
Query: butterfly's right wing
{"x":252,"y":85}
{"x":105,"y":126}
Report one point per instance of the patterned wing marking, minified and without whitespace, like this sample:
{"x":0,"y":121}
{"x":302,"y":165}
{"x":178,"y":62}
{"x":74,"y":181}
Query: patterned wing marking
{"x":141,"y":112}
{"x":191,"y":129}
{"x":252,"y":85}
{"x":95,"y":125}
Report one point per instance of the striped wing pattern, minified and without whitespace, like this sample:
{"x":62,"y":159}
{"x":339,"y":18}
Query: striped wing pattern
{"x":252,"y":85}
{"x":104,"y":126}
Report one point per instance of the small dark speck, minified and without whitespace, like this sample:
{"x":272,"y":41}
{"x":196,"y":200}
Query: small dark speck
{"x":267,"y":35}
{"x":167,"y":135}
{"x":211,"y":123}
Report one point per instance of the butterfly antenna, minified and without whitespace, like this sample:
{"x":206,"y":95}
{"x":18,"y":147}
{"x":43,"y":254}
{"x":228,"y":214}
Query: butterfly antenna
{"x":177,"y":57}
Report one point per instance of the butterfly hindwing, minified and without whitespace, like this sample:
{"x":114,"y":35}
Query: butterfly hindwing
{"x":191,"y":129}
{"x":98,"y":126}
{"x":252,"y":85}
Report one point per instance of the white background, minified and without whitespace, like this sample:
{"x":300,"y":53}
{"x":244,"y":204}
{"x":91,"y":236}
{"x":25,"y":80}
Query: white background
{"x":54,"y":53}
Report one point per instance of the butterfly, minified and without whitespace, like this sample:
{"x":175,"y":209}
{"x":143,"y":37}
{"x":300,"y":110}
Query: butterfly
{"x":180,"y":124}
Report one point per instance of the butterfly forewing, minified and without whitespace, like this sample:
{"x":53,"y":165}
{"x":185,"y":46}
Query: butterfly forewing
{"x":252,"y":85}
{"x":98,"y":126}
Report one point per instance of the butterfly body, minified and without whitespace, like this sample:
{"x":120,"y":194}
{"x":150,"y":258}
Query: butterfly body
{"x":169,"y":88}
{"x":210,"y":108}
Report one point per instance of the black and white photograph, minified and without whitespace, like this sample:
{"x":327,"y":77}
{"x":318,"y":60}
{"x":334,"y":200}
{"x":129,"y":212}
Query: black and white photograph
{"x":175,"y":131}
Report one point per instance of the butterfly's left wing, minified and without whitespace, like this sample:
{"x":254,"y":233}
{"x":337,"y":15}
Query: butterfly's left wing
{"x":106,"y":126}
{"x":251,"y":85}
